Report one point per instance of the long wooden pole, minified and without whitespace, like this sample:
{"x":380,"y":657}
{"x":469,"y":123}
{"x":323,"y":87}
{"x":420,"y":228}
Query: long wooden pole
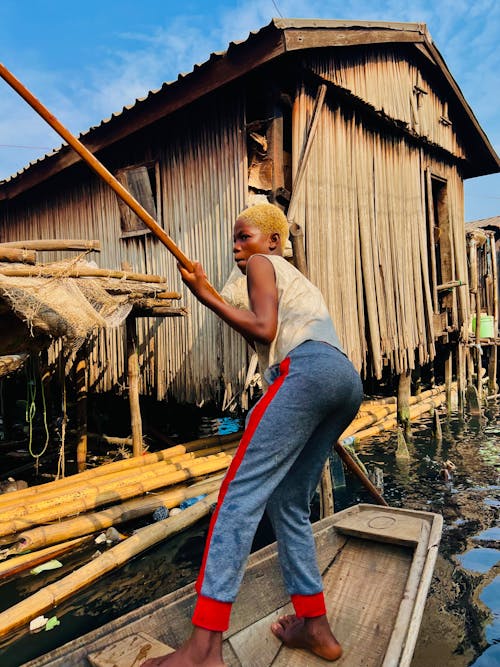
{"x":100,"y":169}
{"x":356,"y":470}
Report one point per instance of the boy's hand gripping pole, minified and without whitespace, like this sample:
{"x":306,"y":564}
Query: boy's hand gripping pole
{"x":101,"y":170}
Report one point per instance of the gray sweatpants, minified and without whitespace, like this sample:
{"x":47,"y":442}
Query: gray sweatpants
{"x":313,"y":396}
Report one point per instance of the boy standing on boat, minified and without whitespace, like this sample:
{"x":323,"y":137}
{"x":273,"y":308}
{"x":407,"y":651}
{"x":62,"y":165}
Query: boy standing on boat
{"x":313,"y":394}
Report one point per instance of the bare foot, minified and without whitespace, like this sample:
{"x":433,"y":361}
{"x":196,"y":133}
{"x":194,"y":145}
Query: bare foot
{"x":313,"y":634}
{"x":203,"y":648}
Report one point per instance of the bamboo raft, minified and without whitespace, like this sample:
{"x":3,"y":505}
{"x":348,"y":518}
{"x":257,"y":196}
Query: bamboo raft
{"x":377,"y":565}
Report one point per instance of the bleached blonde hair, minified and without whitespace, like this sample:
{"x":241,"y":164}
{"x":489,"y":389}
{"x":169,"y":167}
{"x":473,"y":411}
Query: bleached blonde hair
{"x":268,"y":218}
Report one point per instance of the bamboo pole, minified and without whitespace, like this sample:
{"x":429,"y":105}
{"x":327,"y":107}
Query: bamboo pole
{"x":296,"y":232}
{"x":17,"y":255}
{"x":54,"y":244}
{"x":117,"y":480}
{"x":212,"y":441}
{"x":99,"y":168}
{"x":133,"y":386}
{"x":371,"y":415}
{"x":58,"y":270}
{"x":391,"y":421}
{"x":55,"y":593}
{"x":169,"y":454}
{"x":85,"y":524}
{"x":21,"y":563}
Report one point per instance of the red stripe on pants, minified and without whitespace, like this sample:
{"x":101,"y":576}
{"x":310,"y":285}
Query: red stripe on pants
{"x":258,"y":412}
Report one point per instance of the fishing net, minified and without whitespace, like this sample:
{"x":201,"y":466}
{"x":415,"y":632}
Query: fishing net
{"x":63,"y":307}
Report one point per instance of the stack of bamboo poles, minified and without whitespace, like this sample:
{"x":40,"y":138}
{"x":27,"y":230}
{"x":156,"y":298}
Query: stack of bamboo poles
{"x":58,"y":517}
{"x":373,"y":418}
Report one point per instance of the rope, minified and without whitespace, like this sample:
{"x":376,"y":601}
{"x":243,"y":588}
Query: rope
{"x":32,"y":375}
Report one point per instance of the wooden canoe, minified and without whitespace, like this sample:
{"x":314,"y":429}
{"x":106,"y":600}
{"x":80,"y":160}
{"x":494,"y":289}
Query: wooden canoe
{"x":377,"y":565}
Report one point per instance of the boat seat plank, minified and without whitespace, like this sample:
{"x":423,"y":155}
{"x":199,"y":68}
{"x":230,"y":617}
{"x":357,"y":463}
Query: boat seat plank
{"x":130,"y":651}
{"x":392,"y":527}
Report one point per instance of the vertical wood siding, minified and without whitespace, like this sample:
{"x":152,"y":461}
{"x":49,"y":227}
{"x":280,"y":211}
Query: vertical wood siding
{"x":362,"y":206}
{"x":203,"y":182}
{"x":390,"y":82}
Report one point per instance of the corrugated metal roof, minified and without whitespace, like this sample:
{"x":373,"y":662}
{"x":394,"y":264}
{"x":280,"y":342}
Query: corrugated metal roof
{"x":94,"y":138}
{"x":484,"y":222}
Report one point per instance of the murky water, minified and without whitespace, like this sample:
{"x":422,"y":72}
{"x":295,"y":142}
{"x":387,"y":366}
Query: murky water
{"x":461,"y":625}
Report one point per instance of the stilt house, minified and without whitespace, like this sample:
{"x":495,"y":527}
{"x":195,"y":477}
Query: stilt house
{"x":358,"y":130}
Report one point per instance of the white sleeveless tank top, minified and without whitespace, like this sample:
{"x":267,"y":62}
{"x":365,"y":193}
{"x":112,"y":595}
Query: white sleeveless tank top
{"x":302,"y":311}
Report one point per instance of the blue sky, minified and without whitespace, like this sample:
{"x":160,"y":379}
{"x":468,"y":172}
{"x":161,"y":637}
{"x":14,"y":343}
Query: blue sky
{"x":87,"y":59}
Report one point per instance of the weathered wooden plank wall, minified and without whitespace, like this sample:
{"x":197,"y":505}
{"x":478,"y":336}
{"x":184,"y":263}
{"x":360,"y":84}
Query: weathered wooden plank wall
{"x":363,"y":209}
{"x":203,"y":182}
{"x":391,"y":82}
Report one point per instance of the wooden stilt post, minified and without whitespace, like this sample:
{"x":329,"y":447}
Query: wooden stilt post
{"x":417,"y":380}
{"x":436,"y":426}
{"x":474,"y":289}
{"x":461,"y":376}
{"x":404,"y":391}
{"x":492,"y":370}
{"x":469,"y":365}
{"x":326,"y":502}
{"x":448,"y":377}
{"x":81,"y":407}
{"x":493,"y":361}
{"x":133,"y":386}
{"x":473,"y":401}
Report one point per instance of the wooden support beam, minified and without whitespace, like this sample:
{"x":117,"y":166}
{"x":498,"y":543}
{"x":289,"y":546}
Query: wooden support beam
{"x":473,"y":403}
{"x":133,"y":386}
{"x":296,"y":232}
{"x":474,"y":289}
{"x":54,"y":244}
{"x":81,"y":407}
{"x":430,"y":232}
{"x":326,"y":502}
{"x":448,"y":378}
{"x":403,"y":409}
{"x":461,"y":382}
{"x":492,"y":370}
{"x":48,"y":271}
{"x":275,"y":149}
{"x":437,"y":431}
